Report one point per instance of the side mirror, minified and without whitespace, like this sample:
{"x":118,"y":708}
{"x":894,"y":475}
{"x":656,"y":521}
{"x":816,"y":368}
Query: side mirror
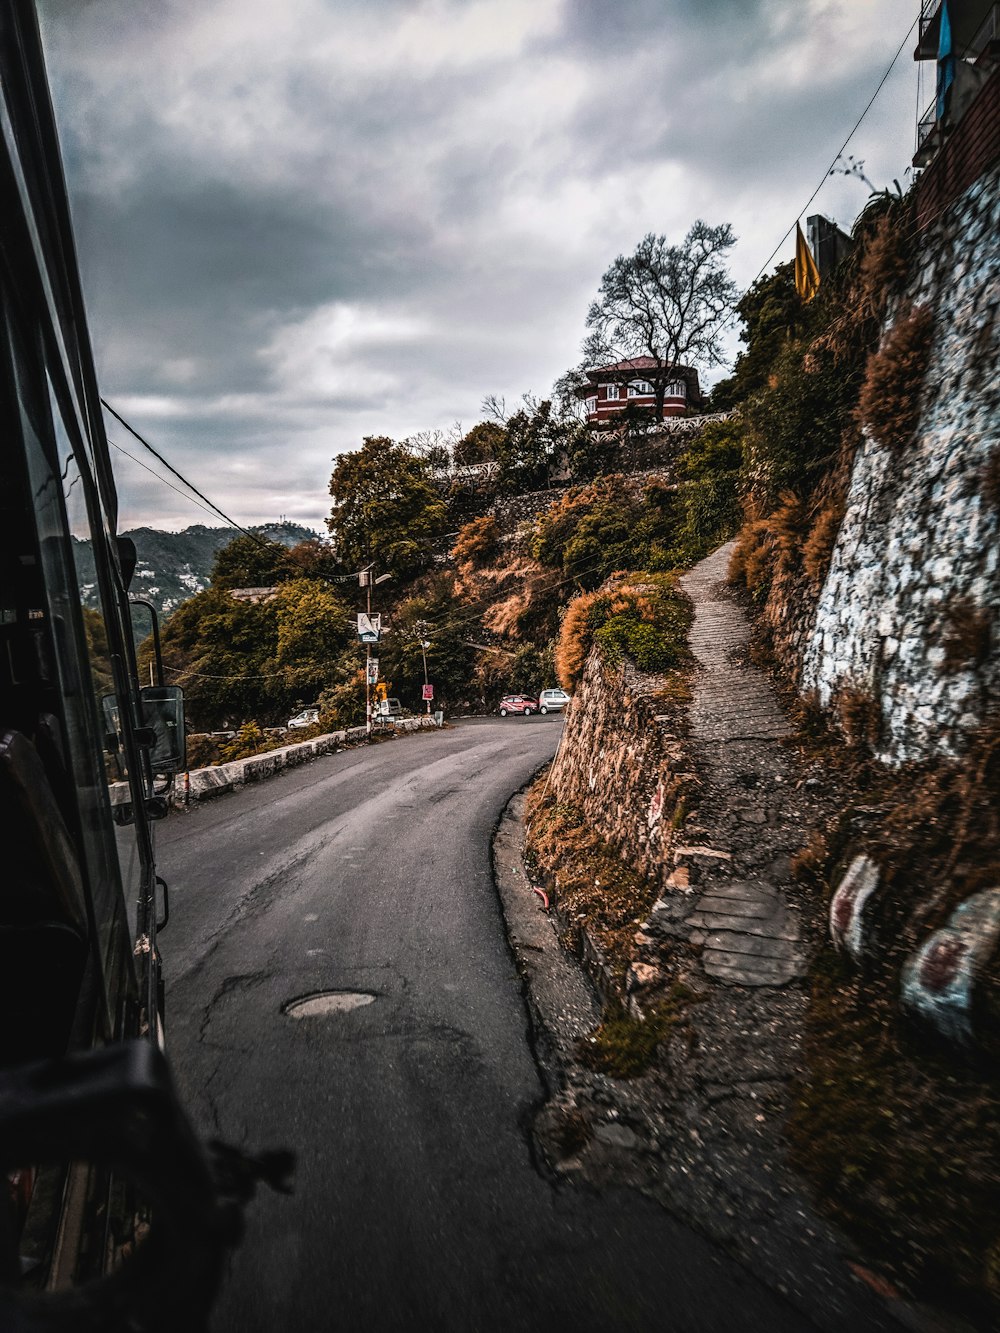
{"x":163,"y":714}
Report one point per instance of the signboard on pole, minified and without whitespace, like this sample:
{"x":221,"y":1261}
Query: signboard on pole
{"x":373,"y":671}
{"x":369,"y":627}
{"x":428,"y":692}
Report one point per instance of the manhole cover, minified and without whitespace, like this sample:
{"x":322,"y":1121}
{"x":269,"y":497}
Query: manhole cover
{"x":322,"y":1003}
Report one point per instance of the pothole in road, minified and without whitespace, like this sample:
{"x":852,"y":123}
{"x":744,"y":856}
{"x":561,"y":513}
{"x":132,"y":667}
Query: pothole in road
{"x":324,"y":1003}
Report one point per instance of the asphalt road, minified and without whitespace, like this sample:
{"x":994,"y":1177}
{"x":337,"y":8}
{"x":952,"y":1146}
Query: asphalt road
{"x":418,"y":1202}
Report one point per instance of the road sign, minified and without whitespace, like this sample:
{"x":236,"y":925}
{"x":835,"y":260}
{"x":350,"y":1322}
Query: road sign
{"x":373,"y":671}
{"x":369,"y":627}
{"x":428,"y":692}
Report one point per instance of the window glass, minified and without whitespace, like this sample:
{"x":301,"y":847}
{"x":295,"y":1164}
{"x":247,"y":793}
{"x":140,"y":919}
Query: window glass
{"x":612,"y":392}
{"x":75,"y":620}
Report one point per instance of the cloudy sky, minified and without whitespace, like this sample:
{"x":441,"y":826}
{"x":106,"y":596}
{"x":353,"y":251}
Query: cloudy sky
{"x":307,"y":222}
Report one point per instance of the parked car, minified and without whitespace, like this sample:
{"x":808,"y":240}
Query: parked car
{"x":518,"y":703}
{"x":552,"y":701}
{"x":388,"y":708}
{"x":307,"y":718}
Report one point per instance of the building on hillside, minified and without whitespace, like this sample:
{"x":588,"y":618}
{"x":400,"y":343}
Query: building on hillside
{"x":828,"y":243}
{"x":611,"y":389}
{"x":252,"y":594}
{"x":958,"y":136}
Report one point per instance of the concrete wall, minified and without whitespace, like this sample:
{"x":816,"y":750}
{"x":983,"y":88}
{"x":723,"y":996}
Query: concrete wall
{"x":918,"y":532}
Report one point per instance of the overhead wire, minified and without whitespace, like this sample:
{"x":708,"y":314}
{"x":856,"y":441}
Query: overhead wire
{"x":826,"y":173}
{"x":180,"y":476}
{"x":183,"y":494}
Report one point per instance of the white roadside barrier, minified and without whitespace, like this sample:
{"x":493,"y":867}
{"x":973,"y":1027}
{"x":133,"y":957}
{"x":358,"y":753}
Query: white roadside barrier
{"x":201,"y":784}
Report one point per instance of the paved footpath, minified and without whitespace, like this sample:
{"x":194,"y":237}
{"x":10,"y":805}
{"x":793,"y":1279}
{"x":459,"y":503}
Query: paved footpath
{"x":703,"y":1131}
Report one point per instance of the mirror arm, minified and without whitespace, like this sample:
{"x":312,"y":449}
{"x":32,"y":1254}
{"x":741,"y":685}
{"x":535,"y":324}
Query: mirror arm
{"x":155,"y":619}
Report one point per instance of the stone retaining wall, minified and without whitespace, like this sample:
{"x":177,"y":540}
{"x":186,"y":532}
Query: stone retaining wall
{"x":919,"y":546}
{"x":622,"y":761}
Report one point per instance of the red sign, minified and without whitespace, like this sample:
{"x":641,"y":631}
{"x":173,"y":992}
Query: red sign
{"x":428,"y":692}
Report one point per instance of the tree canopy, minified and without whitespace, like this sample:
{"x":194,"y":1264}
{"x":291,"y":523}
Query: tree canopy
{"x":386,"y":510}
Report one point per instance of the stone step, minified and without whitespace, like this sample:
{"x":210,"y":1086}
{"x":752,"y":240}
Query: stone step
{"x":776,"y":927}
{"x":760,"y":908}
{"x":747,"y":971}
{"x":754,"y":946}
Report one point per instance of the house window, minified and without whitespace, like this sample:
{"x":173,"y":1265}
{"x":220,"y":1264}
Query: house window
{"x":678,"y":389}
{"x":612,"y":392}
{"x":639,"y":389}
{"x":591,"y":406}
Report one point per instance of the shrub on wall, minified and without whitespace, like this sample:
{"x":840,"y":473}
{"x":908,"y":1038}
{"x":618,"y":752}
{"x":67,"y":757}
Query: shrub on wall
{"x":889,"y":402}
{"x":646,"y":620}
{"x":478,"y":542}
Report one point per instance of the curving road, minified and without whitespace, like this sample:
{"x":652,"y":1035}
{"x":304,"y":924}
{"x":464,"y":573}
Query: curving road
{"x":418,"y":1202}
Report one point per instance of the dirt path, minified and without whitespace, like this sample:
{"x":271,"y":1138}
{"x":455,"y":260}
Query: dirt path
{"x":703,"y":1130}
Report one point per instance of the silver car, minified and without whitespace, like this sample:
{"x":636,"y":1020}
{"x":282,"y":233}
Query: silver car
{"x":552,"y":701}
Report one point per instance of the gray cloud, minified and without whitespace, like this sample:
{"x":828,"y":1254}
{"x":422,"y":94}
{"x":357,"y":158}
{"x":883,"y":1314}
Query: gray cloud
{"x":300,"y":224}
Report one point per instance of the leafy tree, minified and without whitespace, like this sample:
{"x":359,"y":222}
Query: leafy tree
{"x":435,"y":617}
{"x":666,"y":302}
{"x":536,"y":442}
{"x":386,"y":510}
{"x":771,"y":311}
{"x":312,"y":559}
{"x":479,"y":445}
{"x":606,"y":526}
{"x":249,"y":562}
{"x":314,"y":629}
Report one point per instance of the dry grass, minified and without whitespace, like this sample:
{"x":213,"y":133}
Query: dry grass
{"x":478,"y":542}
{"x":819,"y":544}
{"x":859,"y":718}
{"x":645,"y":616}
{"x":890,"y":398}
{"x":770,"y":547}
{"x":623,"y":1046}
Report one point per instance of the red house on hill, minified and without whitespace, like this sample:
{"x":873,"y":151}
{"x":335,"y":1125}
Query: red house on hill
{"x":610,"y":389}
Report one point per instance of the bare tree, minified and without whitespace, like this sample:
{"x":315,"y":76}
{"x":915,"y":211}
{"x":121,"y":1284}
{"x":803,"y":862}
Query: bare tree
{"x":664,"y":302}
{"x":494,"y":409}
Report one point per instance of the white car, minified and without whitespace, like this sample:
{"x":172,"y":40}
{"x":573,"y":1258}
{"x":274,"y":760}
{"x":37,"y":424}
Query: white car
{"x":307,"y":718}
{"x":552,"y":701}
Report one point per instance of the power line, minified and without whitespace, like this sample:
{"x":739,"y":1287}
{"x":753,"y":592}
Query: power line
{"x":180,"y":477}
{"x":212,"y":507}
{"x":823,"y":179}
{"x":183,"y":494}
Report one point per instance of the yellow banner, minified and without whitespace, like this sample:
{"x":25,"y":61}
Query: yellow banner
{"x":806,"y":272}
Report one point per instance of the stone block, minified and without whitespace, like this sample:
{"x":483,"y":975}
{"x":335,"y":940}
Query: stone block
{"x":208,"y":782}
{"x":951,"y":981}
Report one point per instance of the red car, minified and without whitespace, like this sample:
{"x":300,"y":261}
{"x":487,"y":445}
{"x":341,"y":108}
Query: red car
{"x":518,"y":703}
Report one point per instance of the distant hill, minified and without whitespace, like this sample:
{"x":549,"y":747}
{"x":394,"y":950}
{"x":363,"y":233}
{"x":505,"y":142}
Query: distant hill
{"x":173,"y":566}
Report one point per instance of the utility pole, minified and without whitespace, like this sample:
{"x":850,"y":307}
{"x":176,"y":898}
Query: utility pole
{"x":421,"y":629}
{"x":365,"y":579}
{"x":367,"y":582}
